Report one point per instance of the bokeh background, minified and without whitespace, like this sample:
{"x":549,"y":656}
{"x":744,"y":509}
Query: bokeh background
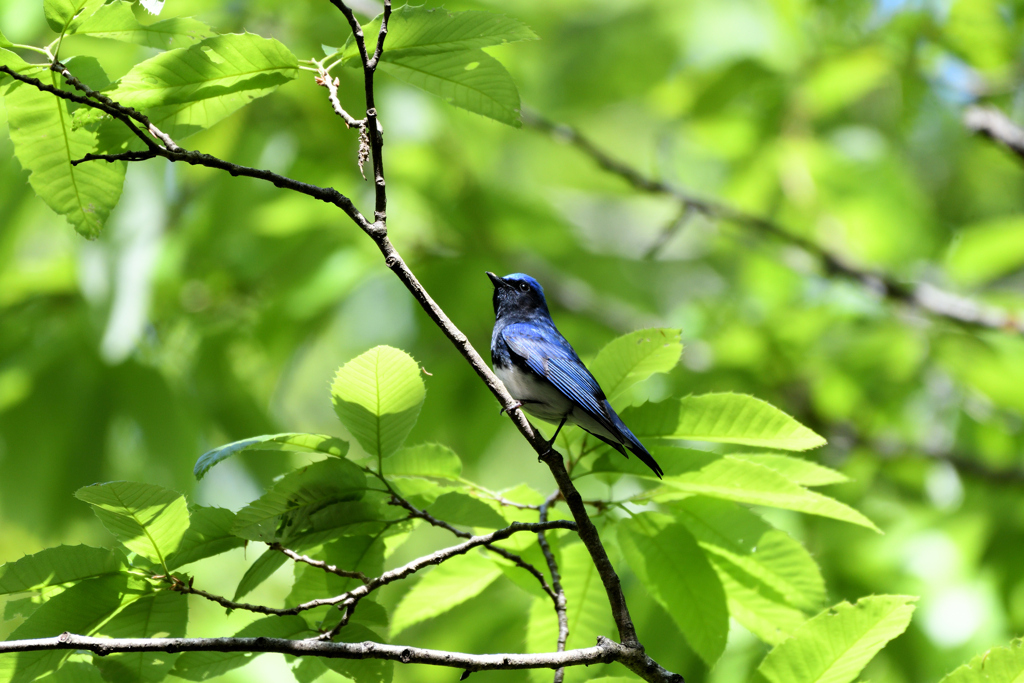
{"x":216,"y":308}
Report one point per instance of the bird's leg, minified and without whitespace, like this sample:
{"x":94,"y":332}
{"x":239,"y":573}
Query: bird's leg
{"x":558,"y":429}
{"x":517,"y":405}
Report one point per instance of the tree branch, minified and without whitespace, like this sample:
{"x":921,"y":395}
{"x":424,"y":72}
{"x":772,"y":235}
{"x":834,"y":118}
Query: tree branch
{"x":929,"y":299}
{"x":320,"y":564}
{"x":604,"y":652}
{"x":996,"y":126}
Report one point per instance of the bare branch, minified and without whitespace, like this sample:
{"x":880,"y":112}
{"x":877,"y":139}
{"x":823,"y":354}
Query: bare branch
{"x":319,"y":564}
{"x":996,"y":126}
{"x":556,"y":581}
{"x":929,"y":299}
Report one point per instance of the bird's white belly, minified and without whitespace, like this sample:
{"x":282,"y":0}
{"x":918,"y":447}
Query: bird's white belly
{"x":539,"y":398}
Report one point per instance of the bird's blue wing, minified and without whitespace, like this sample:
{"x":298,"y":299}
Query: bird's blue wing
{"x":547,"y":353}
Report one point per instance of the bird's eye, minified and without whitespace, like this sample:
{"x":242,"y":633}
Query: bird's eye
{"x":523,"y":287}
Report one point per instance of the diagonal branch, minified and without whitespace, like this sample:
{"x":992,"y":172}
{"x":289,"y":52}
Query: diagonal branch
{"x":996,"y":126}
{"x":927,"y":298}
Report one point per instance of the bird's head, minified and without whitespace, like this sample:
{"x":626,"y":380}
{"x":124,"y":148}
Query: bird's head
{"x":518,"y":295}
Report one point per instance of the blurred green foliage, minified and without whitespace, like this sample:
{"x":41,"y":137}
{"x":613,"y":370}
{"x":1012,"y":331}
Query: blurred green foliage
{"x":213,"y":308}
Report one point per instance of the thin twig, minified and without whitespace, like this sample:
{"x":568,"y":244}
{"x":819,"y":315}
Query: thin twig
{"x":320,"y":564}
{"x":927,"y":298}
{"x":670,"y":231}
{"x":556,"y":582}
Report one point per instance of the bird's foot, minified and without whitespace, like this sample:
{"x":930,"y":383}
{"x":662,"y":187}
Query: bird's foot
{"x":516,"y":406}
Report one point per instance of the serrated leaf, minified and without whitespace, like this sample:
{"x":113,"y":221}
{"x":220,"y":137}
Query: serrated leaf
{"x":259,"y":571}
{"x":55,"y":566}
{"x":747,"y":482}
{"x":292,"y":505}
{"x":377,"y":396}
{"x":634,"y":357}
{"x":117,"y":22}
{"x":149,"y":520}
{"x":202,"y":666}
{"x":797,"y":470}
{"x":674,"y":570}
{"x":186,"y":90}
{"x":837,"y":644}
{"x":424,"y":460}
{"x":767,"y":617}
{"x":209,"y":533}
{"x":293,"y":441}
{"x":360,"y":670}
{"x":159,"y":615}
{"x":726,"y":418}
{"x":469,"y":79}
{"x":79,"y":609}
{"x":451,"y":583}
{"x":45,"y":144}
{"x":64,"y":15}
{"x":437,"y":30}
{"x":459,"y":508}
{"x":775,"y":559}
{"x":998,"y":665}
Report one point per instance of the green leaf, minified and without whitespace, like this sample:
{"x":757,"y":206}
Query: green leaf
{"x":316,"y":503}
{"x":731,"y":531}
{"x":429,"y":31}
{"x":353,"y":553}
{"x":149,"y":520}
{"x":424,"y":460}
{"x":634,"y":357}
{"x":841,"y":81}
{"x":797,"y":470}
{"x":378,"y":396}
{"x":727,"y":418}
{"x":836,"y":645}
{"x":459,"y":508}
{"x":259,"y":571}
{"x":117,"y":22}
{"x":985,"y":251}
{"x":747,"y":482}
{"x":209,"y":533}
{"x":452,"y":583}
{"x":80,"y":609}
{"x":4,"y":42}
{"x":756,"y":608}
{"x":306,"y":443}
{"x":202,"y":666}
{"x":186,"y":90}
{"x":15,"y":63}
{"x":159,"y":615}
{"x":470,"y":79}
{"x":45,"y":144}
{"x":360,"y":670}
{"x":56,"y":566}
{"x":64,"y":15}
{"x":998,"y":665}
{"x":673,"y":569}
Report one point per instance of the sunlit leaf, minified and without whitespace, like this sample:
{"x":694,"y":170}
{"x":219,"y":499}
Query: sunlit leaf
{"x":727,"y":418}
{"x":634,"y":357}
{"x":837,"y":644}
{"x":307,"y":443}
{"x":451,"y":583}
{"x":797,"y":470}
{"x":46,"y":144}
{"x":985,"y":251}
{"x":424,"y":460}
{"x":149,"y":520}
{"x":459,"y":508}
{"x":116,"y":21}
{"x":65,"y":15}
{"x":748,"y":482}
{"x":378,"y":396}
{"x":259,"y":571}
{"x":55,"y":566}
{"x":209,"y":533}
{"x":657,"y":550}
{"x":998,"y":665}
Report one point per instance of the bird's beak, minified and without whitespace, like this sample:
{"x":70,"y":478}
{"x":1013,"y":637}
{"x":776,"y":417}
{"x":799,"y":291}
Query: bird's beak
{"x":498,"y":282}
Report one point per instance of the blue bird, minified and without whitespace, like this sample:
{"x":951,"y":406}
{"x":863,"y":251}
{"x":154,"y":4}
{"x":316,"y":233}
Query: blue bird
{"x":542,"y":371}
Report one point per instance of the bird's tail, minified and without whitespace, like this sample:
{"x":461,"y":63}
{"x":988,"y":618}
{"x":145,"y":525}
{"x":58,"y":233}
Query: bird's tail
{"x":634,"y":445}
